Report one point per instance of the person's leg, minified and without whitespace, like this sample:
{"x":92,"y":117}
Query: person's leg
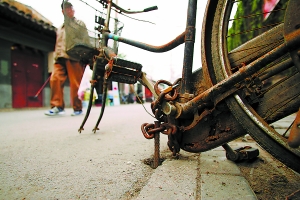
{"x":75,"y":73}
{"x":57,"y":80}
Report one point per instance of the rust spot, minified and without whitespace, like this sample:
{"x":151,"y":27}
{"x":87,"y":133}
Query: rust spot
{"x":189,"y":145}
{"x":243,"y":68}
{"x":212,"y":138}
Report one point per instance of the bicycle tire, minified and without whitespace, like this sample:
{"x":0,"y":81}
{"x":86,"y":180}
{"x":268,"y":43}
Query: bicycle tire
{"x":218,"y":67}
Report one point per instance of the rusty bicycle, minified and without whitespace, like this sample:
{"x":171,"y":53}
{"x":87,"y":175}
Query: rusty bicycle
{"x":241,"y":88}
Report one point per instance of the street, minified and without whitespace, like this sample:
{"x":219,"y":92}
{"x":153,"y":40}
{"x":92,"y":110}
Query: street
{"x":45,"y":157}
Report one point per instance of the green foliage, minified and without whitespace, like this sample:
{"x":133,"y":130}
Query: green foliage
{"x":246,"y":28}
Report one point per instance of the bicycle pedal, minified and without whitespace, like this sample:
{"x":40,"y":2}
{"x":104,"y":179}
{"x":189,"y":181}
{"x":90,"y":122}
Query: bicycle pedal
{"x":123,"y":71}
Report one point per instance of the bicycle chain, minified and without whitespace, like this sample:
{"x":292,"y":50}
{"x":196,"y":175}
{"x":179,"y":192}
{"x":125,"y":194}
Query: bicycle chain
{"x":161,"y":125}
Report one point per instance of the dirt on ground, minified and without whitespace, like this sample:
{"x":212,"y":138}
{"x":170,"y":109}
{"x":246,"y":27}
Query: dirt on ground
{"x":270,"y":178}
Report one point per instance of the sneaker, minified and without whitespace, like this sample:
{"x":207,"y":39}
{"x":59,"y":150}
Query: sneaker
{"x":55,"y":111}
{"x":77,"y":112}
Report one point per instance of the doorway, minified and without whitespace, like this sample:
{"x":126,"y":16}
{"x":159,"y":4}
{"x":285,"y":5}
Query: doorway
{"x":27,"y":76}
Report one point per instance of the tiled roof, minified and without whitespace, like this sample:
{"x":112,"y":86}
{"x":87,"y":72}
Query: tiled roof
{"x":26,"y":15}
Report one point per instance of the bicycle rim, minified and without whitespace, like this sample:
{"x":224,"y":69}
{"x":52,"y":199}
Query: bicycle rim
{"x":249,"y":115}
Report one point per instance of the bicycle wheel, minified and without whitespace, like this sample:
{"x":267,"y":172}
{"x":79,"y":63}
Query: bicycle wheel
{"x":270,"y":94}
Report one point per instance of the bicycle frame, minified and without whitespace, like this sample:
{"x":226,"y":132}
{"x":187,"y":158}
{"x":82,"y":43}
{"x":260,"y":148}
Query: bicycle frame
{"x":192,"y":109}
{"x":187,"y":37}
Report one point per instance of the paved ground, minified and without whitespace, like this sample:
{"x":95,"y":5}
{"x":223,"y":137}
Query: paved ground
{"x":45,"y":157}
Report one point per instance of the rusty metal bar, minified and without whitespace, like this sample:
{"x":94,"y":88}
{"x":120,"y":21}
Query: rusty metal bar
{"x":211,"y":94}
{"x":156,"y":150}
{"x":186,"y":81}
{"x":106,"y":24}
{"x":156,"y":157}
{"x":158,"y":49}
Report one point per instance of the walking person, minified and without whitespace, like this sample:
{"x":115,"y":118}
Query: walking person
{"x":65,"y":67}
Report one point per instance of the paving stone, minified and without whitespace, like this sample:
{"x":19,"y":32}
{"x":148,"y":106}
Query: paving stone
{"x":174,"y":179}
{"x":215,"y":161}
{"x":225,"y":186}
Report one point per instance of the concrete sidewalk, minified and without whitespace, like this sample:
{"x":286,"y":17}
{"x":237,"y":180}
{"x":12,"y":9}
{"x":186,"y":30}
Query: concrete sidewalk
{"x":205,"y":176}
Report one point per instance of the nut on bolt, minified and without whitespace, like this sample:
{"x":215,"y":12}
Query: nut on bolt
{"x":169,"y":109}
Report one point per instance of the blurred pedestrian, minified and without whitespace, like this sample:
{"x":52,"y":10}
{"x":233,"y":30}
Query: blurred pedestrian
{"x":65,"y":67}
